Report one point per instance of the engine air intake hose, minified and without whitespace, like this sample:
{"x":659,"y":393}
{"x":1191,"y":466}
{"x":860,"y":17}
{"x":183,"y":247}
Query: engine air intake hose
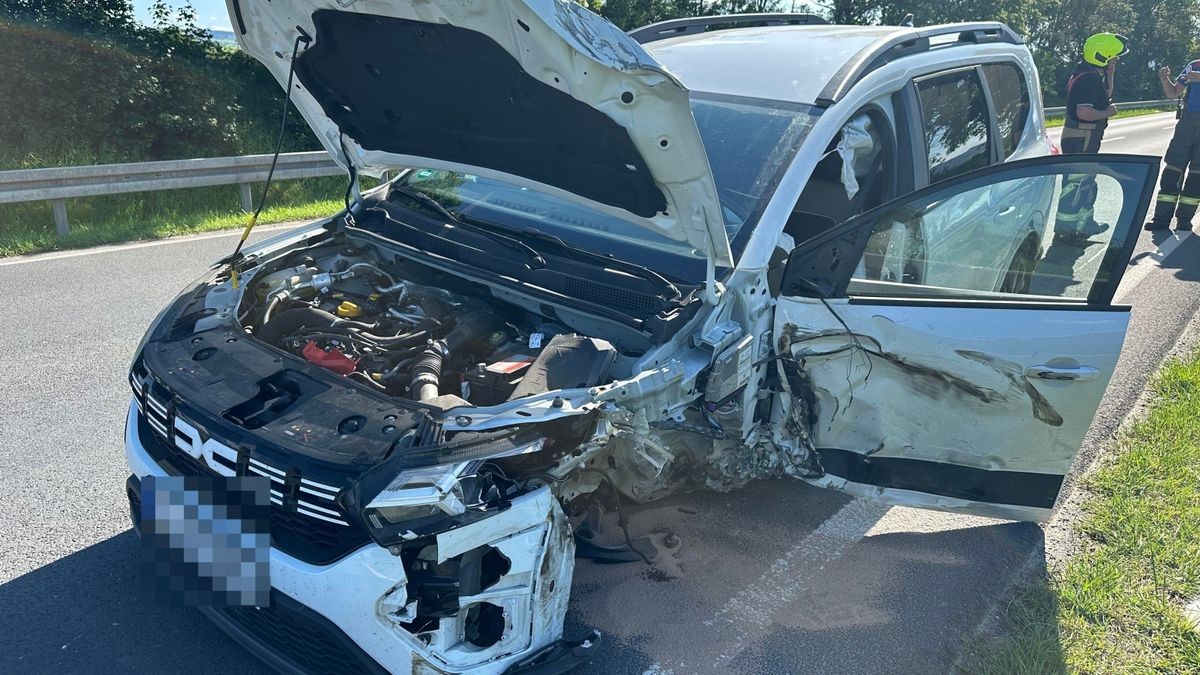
{"x":427,"y":372}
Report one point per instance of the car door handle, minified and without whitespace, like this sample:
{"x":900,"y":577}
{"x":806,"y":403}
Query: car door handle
{"x":1076,"y":374}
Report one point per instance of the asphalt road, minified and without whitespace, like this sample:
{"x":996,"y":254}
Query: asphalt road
{"x":776,"y":577}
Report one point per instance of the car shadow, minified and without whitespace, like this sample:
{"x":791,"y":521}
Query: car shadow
{"x":92,"y":612}
{"x":912,"y":596}
{"x":1176,"y":260}
{"x":769,"y":598}
{"x":1181,"y":261}
{"x":949,"y":582}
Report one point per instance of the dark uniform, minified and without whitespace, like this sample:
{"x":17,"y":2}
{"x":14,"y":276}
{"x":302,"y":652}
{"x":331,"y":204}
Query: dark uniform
{"x":1087,"y":85}
{"x":1177,"y":199}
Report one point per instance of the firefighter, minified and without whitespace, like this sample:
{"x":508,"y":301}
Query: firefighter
{"x":1089,"y":93}
{"x":1183,"y":154}
{"x":1089,"y":107}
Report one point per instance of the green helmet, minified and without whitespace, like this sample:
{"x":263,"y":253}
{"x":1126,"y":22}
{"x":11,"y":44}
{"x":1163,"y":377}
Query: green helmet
{"x":1101,"y":48}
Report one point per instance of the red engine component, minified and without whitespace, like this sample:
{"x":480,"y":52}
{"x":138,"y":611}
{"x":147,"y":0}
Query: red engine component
{"x":333,"y":359}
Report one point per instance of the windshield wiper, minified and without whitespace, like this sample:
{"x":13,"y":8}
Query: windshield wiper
{"x":536,"y":260}
{"x":636,"y":269}
{"x":510,"y":234}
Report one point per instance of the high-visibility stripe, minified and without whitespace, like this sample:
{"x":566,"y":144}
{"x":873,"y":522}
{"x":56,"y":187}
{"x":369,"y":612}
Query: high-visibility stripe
{"x":1190,"y":201}
{"x":1064,"y":217}
{"x":1164,"y":197}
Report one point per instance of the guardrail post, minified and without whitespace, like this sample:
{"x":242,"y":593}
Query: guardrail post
{"x":247,"y":198}
{"x":61,"y":226}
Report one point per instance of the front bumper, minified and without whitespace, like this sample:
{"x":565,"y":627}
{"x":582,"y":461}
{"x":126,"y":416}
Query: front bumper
{"x":339,"y":607}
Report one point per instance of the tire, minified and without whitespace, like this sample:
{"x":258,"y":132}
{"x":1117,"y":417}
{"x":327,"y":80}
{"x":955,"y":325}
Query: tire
{"x":1020,"y":271}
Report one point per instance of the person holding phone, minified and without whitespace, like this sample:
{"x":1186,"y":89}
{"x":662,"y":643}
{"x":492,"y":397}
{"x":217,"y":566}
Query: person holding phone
{"x":1177,"y":199}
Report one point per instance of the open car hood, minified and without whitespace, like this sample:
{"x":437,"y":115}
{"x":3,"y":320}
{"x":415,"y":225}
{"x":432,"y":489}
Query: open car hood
{"x":537,"y":92}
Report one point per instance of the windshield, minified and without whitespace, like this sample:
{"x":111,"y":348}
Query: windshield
{"x":749,"y":143}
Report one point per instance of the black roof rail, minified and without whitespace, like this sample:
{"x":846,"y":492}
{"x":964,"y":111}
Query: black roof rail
{"x":915,"y":41}
{"x":702,"y":24}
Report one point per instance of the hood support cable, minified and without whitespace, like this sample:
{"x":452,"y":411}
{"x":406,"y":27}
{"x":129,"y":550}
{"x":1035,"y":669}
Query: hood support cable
{"x":301,"y":38}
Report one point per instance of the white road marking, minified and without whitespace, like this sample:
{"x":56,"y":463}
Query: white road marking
{"x":754,"y":609}
{"x":43,"y":257}
{"x":1147,"y":264}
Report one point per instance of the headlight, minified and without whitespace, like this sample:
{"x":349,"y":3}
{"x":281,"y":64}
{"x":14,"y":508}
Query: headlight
{"x":419,"y":493}
{"x":424,"y":490}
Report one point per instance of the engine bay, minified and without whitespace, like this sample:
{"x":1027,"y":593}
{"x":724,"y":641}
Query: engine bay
{"x":346,"y":310}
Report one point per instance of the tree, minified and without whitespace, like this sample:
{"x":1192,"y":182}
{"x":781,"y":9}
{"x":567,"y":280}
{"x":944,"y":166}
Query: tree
{"x":84,"y":82}
{"x":630,"y":14}
{"x":1161,"y":31}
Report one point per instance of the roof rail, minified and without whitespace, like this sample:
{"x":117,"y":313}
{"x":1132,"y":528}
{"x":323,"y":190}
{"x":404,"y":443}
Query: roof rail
{"x":889,"y":48}
{"x":702,"y":24}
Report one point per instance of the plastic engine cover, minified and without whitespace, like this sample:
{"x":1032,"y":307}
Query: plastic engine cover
{"x":567,"y":362}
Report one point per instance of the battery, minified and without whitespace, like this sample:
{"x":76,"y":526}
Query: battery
{"x":493,"y":382}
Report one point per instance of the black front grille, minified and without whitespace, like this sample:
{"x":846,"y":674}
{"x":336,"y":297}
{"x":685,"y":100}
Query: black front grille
{"x":315,"y":541}
{"x":290,"y":632}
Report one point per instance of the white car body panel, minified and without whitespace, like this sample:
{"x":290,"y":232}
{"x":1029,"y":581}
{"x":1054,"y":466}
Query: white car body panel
{"x":956,"y":392}
{"x":566,"y":47}
{"x":782,"y":63}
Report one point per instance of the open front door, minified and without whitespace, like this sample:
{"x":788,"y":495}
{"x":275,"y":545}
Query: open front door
{"x":949,"y":350}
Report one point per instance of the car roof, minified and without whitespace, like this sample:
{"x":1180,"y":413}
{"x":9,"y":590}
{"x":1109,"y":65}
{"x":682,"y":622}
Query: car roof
{"x":762,"y":62}
{"x":785,"y":63}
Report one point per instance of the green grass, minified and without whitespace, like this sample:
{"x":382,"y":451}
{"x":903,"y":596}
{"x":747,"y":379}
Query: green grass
{"x":1121,"y":114}
{"x":1115,"y":607}
{"x":29,"y":228}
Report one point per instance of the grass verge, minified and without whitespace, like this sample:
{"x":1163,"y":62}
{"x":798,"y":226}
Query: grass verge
{"x":1115,"y":606}
{"x":29,"y":227}
{"x":1121,"y":114}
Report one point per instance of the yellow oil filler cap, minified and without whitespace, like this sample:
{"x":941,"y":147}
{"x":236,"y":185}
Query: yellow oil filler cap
{"x":349,"y":309}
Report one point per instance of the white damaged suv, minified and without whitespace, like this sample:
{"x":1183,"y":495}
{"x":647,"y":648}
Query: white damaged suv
{"x":608,"y":267}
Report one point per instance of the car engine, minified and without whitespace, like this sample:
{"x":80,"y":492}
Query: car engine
{"x":349,"y":313}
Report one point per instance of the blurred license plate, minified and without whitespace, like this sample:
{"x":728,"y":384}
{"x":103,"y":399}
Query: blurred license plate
{"x":206,"y":539}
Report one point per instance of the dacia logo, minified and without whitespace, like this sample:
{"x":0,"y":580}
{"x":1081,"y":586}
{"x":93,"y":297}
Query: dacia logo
{"x":188,"y":439}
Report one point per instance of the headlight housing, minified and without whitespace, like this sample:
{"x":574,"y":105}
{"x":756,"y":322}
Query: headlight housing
{"x":420,"y":491}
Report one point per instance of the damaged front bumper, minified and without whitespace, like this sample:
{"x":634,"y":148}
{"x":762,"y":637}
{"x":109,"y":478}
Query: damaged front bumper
{"x":354,"y":611}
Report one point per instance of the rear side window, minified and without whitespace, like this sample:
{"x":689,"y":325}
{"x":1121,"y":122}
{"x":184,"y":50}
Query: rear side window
{"x":956,"y":123}
{"x":1010,"y":98}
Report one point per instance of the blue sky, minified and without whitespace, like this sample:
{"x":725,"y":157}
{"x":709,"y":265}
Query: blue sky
{"x":210,"y":13}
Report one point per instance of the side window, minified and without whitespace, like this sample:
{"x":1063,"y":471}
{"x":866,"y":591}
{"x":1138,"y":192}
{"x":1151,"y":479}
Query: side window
{"x":1010,"y":98}
{"x":1039,"y":235}
{"x":957,"y":127}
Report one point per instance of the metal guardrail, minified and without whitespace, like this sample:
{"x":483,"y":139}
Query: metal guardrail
{"x":1131,"y":105}
{"x":56,"y":185}
{"x":59,"y":184}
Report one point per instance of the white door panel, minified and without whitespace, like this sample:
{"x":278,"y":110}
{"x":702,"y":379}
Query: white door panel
{"x":912,"y":374}
{"x":942,"y":401}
